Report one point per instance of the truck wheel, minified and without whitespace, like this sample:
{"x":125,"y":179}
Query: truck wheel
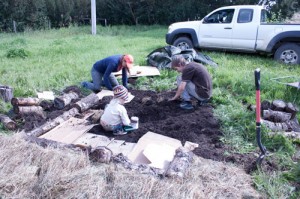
{"x":288,"y":53}
{"x":183,"y":43}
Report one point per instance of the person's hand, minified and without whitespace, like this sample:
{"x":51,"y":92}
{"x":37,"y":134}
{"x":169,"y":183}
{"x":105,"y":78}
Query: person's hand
{"x":171,"y":99}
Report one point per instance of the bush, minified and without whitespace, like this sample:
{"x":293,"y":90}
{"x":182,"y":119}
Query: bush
{"x":21,"y":52}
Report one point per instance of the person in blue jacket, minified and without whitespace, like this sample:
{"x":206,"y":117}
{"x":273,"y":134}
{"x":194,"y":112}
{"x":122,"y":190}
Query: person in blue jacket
{"x":102,"y":72}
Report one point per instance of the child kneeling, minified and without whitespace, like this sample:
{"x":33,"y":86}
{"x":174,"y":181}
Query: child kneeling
{"x":115,"y":115}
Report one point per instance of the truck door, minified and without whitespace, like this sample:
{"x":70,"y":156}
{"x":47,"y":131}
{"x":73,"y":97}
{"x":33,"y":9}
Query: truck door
{"x":216,"y":29}
{"x":245,"y":30}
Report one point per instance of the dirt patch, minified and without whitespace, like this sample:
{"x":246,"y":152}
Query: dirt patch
{"x":158,"y":115}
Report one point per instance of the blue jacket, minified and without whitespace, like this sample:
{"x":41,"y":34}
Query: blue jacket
{"x":108,"y":65}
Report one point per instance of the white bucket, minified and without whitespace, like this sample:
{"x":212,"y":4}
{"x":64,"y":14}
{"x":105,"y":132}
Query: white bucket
{"x":135,"y":122}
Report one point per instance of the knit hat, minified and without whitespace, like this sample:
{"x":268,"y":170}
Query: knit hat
{"x":129,"y":60}
{"x":120,"y":92}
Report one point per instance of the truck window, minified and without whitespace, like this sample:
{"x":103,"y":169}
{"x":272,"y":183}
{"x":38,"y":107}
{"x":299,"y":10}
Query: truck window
{"x":245,"y":15}
{"x":263,"y":16}
{"x":221,"y":16}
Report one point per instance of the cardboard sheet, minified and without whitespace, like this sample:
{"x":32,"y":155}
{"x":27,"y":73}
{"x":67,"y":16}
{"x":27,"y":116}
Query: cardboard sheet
{"x":140,"y":71}
{"x":68,"y":131}
{"x":154,"y":149}
{"x":294,"y":84}
{"x":116,"y":146}
{"x":47,"y":95}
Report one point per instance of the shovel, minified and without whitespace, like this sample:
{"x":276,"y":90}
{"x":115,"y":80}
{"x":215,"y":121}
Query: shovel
{"x":258,"y":124}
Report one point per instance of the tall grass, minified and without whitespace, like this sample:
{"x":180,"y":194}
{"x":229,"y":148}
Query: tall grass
{"x":53,"y":59}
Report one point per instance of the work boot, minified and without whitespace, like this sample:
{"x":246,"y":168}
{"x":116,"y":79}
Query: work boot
{"x":201,"y":103}
{"x":187,"y":105}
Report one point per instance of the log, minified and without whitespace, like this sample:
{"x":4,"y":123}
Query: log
{"x":46,"y":105}
{"x":62,"y":101}
{"x":6,"y":93}
{"x":265,"y":105}
{"x":291,"y":125}
{"x":291,"y":108}
{"x":7,"y":122}
{"x":292,"y":135}
{"x":276,"y":116}
{"x":180,"y":163}
{"x":29,"y":110}
{"x":25,"y":101}
{"x":53,"y":123}
{"x":101,"y":154}
{"x":275,"y":126}
{"x":80,"y":106}
{"x":87,"y":102}
{"x":141,"y":168}
{"x":278,"y":105}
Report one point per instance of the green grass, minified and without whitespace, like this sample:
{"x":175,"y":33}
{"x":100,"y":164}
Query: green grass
{"x":53,"y":59}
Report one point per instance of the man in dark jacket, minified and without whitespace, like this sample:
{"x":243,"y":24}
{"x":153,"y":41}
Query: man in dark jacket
{"x":102,"y":72}
{"x":194,"y":81}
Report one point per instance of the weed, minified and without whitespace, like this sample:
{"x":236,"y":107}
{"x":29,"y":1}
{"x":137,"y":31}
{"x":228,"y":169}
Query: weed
{"x":19,"y":52}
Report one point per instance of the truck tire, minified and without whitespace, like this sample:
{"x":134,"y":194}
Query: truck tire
{"x":183,"y":43}
{"x":288,"y":53}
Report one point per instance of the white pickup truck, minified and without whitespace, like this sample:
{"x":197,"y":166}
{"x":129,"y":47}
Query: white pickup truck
{"x":241,"y":28}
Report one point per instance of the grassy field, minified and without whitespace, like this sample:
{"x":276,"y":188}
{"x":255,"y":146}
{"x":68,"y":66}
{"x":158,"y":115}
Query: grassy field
{"x":53,"y":59}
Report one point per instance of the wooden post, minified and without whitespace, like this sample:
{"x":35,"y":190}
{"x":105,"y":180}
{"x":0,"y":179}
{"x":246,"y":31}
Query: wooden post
{"x":15,"y":26}
{"x":93,"y":16}
{"x":6,"y":93}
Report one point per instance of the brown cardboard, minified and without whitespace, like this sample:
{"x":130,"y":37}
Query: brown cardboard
{"x":140,"y":71}
{"x":155,"y":150}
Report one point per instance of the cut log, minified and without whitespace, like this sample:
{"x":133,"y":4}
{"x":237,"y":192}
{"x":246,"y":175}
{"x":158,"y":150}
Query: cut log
{"x":278,"y":105}
{"x":275,"y":126}
{"x":101,"y":154}
{"x":46,"y":105}
{"x":80,"y":106}
{"x":53,"y":123}
{"x":54,"y":144}
{"x":291,"y":108}
{"x":292,"y":135}
{"x":291,"y":125}
{"x":6,"y":93}
{"x":276,"y":116}
{"x":62,"y":101}
{"x":265,"y":105}
{"x":25,"y":101}
{"x":87,"y":102}
{"x":7,"y":122}
{"x":180,"y":163}
{"x":29,"y":110}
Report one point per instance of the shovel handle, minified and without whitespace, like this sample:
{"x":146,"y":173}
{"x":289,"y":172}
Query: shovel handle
{"x":257,"y":87}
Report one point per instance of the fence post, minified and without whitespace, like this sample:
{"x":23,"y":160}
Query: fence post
{"x":15,"y":26}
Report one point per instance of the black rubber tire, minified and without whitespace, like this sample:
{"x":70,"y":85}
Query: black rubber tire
{"x":288,"y":53}
{"x":183,"y":43}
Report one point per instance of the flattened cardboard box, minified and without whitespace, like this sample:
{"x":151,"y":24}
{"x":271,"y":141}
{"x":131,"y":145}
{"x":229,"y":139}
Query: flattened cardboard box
{"x":154,"y":149}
